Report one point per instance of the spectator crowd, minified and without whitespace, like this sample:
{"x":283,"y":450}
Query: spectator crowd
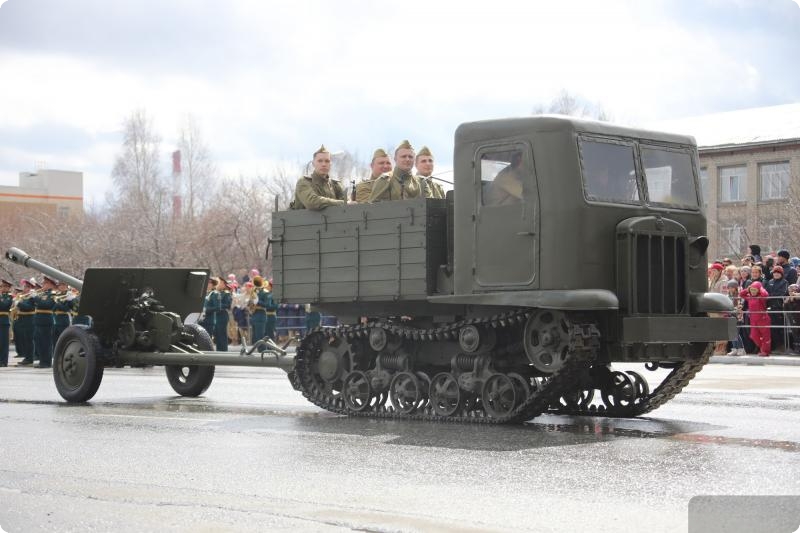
{"x":766,"y":299}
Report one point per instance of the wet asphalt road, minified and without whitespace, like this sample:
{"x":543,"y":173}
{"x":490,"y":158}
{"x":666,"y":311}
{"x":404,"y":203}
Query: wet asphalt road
{"x":252,"y":455}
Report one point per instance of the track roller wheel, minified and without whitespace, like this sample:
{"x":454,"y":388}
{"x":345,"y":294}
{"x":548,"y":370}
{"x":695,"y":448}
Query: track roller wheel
{"x":619,"y":392}
{"x":356,"y":391}
{"x":445,"y":394}
{"x":405,"y":392}
{"x":499,"y":396}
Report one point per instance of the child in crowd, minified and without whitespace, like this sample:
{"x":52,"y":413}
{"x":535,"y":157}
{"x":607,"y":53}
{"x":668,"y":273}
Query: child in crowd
{"x":737,"y":347}
{"x":756,"y":298}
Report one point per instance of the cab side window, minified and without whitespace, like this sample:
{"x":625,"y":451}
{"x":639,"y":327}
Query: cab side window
{"x":502,"y":177}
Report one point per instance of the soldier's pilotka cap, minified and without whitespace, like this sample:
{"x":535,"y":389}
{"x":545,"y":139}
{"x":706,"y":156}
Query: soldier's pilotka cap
{"x":424,"y":151}
{"x":321,"y":150}
{"x":380,"y":152}
{"x":403,"y":145}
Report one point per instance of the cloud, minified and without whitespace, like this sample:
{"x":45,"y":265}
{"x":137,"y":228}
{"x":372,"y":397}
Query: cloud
{"x":269,"y":81}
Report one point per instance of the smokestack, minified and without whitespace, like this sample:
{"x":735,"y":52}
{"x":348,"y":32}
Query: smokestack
{"x":177,"y":202}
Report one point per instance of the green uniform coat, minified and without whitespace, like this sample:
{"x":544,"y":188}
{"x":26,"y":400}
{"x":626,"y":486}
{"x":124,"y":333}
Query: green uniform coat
{"x":398,"y":185}
{"x":317,"y":192}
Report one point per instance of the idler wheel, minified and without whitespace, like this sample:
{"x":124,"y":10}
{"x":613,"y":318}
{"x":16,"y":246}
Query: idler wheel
{"x":445,"y":394}
{"x":546,"y":340}
{"x":499,"y":396}
{"x":77,"y":371}
{"x":405,"y":392}
{"x":356,"y":391}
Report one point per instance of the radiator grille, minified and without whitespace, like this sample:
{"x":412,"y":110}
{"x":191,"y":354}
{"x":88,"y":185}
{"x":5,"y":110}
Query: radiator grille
{"x":659,"y":274}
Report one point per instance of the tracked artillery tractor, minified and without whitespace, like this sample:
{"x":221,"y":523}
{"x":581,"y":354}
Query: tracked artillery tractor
{"x":137,"y":320}
{"x":566,"y":250}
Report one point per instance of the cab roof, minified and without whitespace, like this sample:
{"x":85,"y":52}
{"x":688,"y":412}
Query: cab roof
{"x":514,"y":127}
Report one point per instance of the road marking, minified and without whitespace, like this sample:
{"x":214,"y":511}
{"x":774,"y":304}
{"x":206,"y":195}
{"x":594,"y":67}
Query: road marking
{"x":162,"y":417}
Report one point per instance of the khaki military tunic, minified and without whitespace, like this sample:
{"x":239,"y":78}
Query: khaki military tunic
{"x":317,"y":192}
{"x":364,"y":189}
{"x":398,"y":185}
{"x":430,"y":188}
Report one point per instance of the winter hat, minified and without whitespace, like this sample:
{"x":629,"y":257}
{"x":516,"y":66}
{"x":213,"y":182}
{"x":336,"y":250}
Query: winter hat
{"x":717,"y":266}
{"x":733,"y":284}
{"x":795,"y":261}
{"x":756,"y":285}
{"x":794,"y":287}
{"x":777,"y":268}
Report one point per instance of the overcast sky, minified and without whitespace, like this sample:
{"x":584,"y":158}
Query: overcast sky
{"x":269,"y":81}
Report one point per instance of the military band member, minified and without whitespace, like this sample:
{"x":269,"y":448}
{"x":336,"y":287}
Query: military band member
{"x":424,"y":164}
{"x":43,"y":323}
{"x":222,"y":315}
{"x":264,"y":312}
{"x":6,"y":301}
{"x":381,"y":164}
{"x":23,"y":334}
{"x":61,"y":311}
{"x":318,"y":190}
{"x":401,"y":183}
{"x":272,"y":312}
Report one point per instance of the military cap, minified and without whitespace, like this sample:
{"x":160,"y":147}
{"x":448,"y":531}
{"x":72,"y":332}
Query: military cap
{"x":403,"y":145}
{"x":222,"y":283}
{"x":424,"y":151}
{"x":380,"y":152}
{"x":321,"y":150}
{"x":48,"y":279}
{"x":6,"y":283}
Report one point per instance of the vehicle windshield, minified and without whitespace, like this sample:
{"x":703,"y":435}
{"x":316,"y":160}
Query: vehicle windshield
{"x":669,"y":176}
{"x":609,"y":172}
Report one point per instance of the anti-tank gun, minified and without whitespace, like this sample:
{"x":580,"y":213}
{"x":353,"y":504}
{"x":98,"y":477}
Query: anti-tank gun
{"x":139,"y":318}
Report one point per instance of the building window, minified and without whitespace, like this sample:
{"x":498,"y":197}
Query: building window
{"x":775,"y":235}
{"x":774,"y":180}
{"x":704,"y":184}
{"x":63,"y":211}
{"x":732,"y":184}
{"x":731,"y":240}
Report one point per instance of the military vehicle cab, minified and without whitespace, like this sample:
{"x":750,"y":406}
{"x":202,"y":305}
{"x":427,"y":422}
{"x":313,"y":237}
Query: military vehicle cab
{"x":565,"y":246}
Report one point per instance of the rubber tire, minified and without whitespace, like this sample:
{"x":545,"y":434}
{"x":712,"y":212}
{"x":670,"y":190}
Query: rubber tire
{"x":199,"y":377}
{"x":92,"y":376}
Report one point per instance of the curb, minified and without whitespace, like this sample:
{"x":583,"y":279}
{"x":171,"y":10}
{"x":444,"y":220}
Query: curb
{"x":754,"y":360}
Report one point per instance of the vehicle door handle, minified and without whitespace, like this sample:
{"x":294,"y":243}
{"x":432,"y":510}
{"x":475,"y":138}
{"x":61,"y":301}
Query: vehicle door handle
{"x":523,"y":233}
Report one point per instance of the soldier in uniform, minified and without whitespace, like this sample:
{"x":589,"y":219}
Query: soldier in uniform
{"x":272,"y":312}
{"x":23,"y":334}
{"x":401,"y":183}
{"x":222,"y":315}
{"x":424,"y":164}
{"x":381,"y":164}
{"x":6,"y":301}
{"x":43,"y":323}
{"x":209,"y":305}
{"x":61,"y":311}
{"x":318,"y":190}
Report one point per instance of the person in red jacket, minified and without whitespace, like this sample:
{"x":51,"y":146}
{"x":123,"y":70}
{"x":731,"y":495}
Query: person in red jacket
{"x":756,"y":297}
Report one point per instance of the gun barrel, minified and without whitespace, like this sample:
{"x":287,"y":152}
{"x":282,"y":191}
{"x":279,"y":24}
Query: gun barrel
{"x":15,"y":255}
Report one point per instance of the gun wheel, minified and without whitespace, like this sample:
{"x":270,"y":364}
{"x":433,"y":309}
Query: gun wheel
{"x":192,"y":380}
{"x":77,"y":372}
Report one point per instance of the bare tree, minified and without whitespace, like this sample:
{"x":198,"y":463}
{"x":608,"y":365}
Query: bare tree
{"x":198,"y":169}
{"x":566,"y":103}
